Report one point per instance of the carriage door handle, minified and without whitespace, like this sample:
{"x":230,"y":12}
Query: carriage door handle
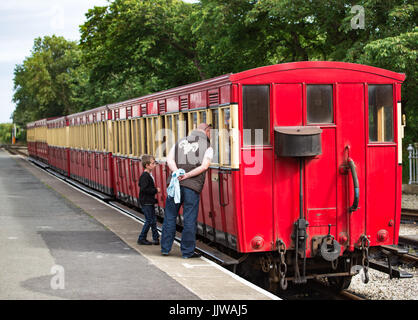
{"x":221,"y":189}
{"x":352,"y":166}
{"x":349,"y":165}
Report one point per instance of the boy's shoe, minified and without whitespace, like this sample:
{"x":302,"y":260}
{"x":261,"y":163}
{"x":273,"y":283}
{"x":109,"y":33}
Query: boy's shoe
{"x":156,"y":242}
{"x":165,"y":254}
{"x":144,"y":242}
{"x":194,"y":255}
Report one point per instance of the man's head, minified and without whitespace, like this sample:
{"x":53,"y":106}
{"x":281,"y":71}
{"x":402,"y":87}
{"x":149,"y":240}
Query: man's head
{"x":205,"y":128}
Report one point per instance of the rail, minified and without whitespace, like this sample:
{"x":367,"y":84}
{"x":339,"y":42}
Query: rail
{"x":413,"y":163}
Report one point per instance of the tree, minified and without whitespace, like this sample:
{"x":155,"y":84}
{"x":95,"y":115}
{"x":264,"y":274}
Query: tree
{"x":135,"y":47}
{"x":42,"y":81}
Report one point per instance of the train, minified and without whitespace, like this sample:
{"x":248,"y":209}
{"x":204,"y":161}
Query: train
{"x":306,"y":178}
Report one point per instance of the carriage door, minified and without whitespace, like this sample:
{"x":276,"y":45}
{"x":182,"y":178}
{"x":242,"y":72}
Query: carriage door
{"x":350,"y":144}
{"x":339,"y":110}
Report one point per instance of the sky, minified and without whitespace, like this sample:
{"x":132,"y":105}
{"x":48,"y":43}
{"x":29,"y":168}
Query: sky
{"x":21,"y":21}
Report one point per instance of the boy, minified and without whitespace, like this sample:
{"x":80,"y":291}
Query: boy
{"x":147,"y":201}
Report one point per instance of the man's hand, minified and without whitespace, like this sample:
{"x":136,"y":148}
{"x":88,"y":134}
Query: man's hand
{"x":182,"y":177}
{"x":195,"y":172}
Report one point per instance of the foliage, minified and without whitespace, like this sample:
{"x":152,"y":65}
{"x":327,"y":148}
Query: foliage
{"x":6,"y":133}
{"x":42,"y":81}
{"x":129,"y":48}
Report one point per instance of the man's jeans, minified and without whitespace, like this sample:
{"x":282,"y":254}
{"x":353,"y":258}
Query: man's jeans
{"x":150,"y":222}
{"x":190,"y":200}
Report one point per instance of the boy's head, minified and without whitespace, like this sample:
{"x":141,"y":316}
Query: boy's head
{"x":147,"y":160}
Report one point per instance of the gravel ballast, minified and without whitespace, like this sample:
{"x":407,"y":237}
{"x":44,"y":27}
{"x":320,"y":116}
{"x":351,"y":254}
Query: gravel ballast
{"x":380,"y":287}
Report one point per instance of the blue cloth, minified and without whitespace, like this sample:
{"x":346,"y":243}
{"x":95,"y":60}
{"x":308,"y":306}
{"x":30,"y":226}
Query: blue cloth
{"x":190,"y":200}
{"x":173,"y":189}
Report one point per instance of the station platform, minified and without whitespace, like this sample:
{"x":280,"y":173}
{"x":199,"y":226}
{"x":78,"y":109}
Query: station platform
{"x":57,"y":242}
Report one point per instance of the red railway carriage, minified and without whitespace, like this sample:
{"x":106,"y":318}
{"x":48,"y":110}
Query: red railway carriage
{"x":152,"y":124}
{"x":358,"y":110}
{"x":307,"y":168}
{"x":89,"y":160}
{"x":37,"y":139}
{"x":58,"y":153}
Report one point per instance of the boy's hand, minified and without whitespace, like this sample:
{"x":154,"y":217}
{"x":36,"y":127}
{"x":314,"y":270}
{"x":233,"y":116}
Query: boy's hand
{"x":158,"y":190}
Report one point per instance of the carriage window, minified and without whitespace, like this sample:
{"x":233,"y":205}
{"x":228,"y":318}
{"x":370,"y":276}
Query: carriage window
{"x":178,"y":120}
{"x":214,"y":137}
{"x":116,"y":137}
{"x":169,"y":133}
{"x":202,"y":116}
{"x":256,"y":115}
{"x":124,"y":137}
{"x":162,"y":138}
{"x":183,"y":125}
{"x":151,"y":136}
{"x":105,"y":143}
{"x":226,"y":136}
{"x":134,"y":137}
{"x":319,"y":103}
{"x":128,"y":137}
{"x":144,"y":135}
{"x":193,"y":121}
{"x":380,"y":113}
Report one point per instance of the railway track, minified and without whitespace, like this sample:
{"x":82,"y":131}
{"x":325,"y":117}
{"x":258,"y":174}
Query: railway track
{"x":409,"y":214}
{"x":15,"y":149}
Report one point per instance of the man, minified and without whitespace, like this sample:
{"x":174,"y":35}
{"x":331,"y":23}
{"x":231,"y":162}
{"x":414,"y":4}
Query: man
{"x":193,"y":154}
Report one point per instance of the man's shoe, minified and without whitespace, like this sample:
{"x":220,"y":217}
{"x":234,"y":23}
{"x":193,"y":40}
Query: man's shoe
{"x":165,"y":254}
{"x":144,"y":242}
{"x":156,"y":242}
{"x":194,"y":255}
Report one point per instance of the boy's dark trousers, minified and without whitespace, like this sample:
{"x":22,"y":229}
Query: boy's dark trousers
{"x":150,"y":222}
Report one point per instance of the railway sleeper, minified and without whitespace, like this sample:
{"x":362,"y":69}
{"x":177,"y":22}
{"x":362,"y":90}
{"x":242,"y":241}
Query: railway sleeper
{"x":385,"y":259}
{"x":392,"y":271}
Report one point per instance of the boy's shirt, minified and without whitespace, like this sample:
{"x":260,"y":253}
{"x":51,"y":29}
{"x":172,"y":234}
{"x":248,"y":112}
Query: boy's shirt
{"x":147,"y":189}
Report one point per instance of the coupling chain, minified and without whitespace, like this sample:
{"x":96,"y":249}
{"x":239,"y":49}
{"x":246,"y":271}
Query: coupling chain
{"x":365,"y":244}
{"x":281,"y":248}
{"x":266,"y":263}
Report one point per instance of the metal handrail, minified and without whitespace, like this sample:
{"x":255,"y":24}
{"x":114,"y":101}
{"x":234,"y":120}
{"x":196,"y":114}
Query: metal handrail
{"x":413,"y":163}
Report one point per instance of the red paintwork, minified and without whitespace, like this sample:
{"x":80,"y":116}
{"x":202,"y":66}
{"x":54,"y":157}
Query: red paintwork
{"x":152,"y":108}
{"x":173,"y":104}
{"x":258,"y":204}
{"x":198,"y":99}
